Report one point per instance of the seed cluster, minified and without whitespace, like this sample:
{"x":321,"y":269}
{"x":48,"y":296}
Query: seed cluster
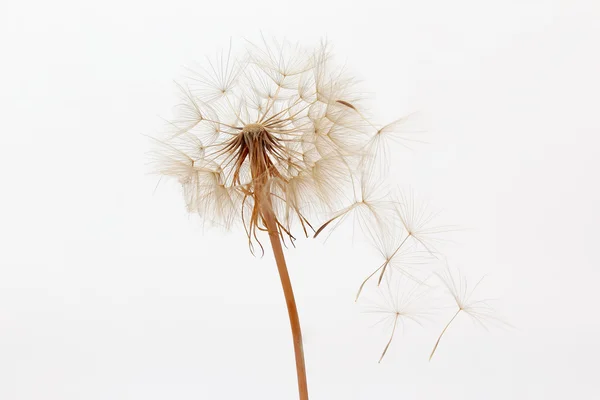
{"x":282,"y":125}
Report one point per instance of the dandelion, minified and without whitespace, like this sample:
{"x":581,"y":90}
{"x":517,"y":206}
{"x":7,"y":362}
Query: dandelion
{"x":479,"y":310}
{"x":277,"y":141}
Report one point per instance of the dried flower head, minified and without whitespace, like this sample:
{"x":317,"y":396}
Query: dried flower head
{"x":282,"y":125}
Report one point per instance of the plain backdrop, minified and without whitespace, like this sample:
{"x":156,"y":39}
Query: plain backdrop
{"x":109,"y":290}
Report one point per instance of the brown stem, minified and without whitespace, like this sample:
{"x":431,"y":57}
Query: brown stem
{"x":286,"y":284}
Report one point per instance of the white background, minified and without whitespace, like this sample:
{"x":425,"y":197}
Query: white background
{"x":108,"y":290}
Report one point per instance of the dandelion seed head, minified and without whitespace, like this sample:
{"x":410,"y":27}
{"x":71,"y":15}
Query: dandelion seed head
{"x":279,"y":124}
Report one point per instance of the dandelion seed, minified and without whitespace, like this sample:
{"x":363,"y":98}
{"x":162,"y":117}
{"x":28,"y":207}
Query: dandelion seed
{"x":218,"y":79}
{"x":479,"y":310}
{"x":398,"y":245}
{"x":399,"y":256}
{"x":398,"y":302}
{"x":404,"y":131}
{"x":418,"y":222}
{"x":372,"y":209}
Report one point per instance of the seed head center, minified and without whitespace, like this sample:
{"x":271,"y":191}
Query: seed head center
{"x":254,"y":131}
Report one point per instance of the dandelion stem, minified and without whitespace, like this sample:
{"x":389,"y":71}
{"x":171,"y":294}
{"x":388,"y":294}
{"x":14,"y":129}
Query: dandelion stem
{"x":271,"y":224}
{"x":391,"y":337}
{"x":442,"y":334}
